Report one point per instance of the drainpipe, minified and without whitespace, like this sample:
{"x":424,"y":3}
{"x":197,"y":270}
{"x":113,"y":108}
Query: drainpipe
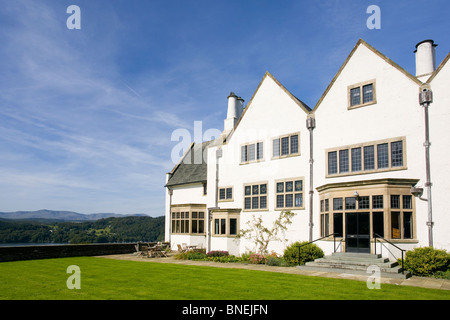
{"x":216,"y":200}
{"x":170,"y":215}
{"x":310,"y":125}
{"x":218,"y":156}
{"x":425,"y":99}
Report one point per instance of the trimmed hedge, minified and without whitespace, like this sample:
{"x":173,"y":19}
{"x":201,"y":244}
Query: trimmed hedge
{"x":308,"y":252}
{"x":427,"y":261}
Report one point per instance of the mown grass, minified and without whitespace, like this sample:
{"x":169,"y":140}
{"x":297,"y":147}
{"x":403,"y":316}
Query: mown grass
{"x":107,"y":279}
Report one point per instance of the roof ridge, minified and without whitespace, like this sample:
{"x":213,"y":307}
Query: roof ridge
{"x":299,"y":102}
{"x":190,"y":172}
{"x":439,"y":68}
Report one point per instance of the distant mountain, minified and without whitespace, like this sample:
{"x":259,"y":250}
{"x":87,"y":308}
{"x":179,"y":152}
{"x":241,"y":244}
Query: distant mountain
{"x":53,"y":215}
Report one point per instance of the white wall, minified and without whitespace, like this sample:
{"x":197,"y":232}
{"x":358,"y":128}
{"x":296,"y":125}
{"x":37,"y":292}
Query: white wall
{"x":397,"y":113}
{"x":272,"y":112}
{"x":190,"y":240}
{"x":439,"y":112}
{"x":183,"y":194}
{"x":189,"y":193}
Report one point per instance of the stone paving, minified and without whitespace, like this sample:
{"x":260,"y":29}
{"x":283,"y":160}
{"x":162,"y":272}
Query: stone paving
{"x":430,"y":283}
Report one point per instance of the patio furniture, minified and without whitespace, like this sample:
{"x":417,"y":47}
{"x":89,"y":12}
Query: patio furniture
{"x":156,"y":251}
{"x":163,"y":251}
{"x":150,"y":252}
{"x":142,"y":249}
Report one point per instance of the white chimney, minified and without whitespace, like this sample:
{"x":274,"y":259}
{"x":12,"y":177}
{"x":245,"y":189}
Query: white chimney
{"x":234,"y":112}
{"x":425,"y":59}
{"x":240,"y":103}
{"x":232,"y":106}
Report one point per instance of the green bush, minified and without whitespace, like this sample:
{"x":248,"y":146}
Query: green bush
{"x":426,"y":261}
{"x":216,"y":256}
{"x":224,"y":259}
{"x":245,"y":257}
{"x":276,"y":261}
{"x":190,"y":255}
{"x":308,"y":252}
{"x":442,"y":275}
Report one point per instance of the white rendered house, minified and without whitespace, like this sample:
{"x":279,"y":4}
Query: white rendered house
{"x":353,"y":167}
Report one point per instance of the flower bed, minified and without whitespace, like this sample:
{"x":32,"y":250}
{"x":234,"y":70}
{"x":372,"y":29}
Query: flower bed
{"x":224,"y":257}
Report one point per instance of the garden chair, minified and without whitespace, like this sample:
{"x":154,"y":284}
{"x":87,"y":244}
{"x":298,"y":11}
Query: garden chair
{"x":164,"y":251}
{"x":152,"y":252}
{"x":142,"y":250}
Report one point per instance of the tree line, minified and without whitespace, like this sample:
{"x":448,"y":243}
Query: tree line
{"x":108,"y":230}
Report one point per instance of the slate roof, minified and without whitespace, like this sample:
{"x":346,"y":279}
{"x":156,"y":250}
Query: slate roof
{"x":192,"y":167}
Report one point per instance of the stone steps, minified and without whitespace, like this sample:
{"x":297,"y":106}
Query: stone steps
{"x":356,"y":263}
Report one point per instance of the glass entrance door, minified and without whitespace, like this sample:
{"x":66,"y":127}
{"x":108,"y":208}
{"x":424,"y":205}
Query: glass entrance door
{"x":357,"y":232}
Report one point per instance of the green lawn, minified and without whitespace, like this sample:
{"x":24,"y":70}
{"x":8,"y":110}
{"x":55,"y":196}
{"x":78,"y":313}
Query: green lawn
{"x":107,"y":279}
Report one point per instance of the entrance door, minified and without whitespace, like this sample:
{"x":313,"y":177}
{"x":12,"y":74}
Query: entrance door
{"x":357,"y":225}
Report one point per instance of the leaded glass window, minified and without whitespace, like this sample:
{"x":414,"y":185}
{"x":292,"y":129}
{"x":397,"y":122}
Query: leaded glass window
{"x":368,"y":93}
{"x":382,"y":156}
{"x":355,"y":96}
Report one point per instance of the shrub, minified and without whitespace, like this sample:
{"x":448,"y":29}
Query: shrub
{"x":217,"y":253}
{"x":425,"y":261}
{"x":224,"y":259}
{"x":190,"y":255}
{"x":256,"y":258}
{"x":308,"y":252}
{"x":245,"y":257}
{"x":442,"y":275}
{"x":180,"y":256}
{"x":276,"y":261}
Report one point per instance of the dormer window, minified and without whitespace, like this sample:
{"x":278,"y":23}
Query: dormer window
{"x":361,"y":94}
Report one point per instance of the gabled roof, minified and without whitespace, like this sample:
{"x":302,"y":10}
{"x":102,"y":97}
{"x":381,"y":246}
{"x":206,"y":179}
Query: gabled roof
{"x":191,"y":168}
{"x":378,"y":53}
{"x":299,"y":102}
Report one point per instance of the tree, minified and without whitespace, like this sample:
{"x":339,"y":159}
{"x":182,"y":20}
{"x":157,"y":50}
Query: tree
{"x":262,"y":236}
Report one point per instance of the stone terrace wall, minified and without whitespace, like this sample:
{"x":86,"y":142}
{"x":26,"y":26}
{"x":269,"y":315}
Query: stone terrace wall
{"x":61,"y":251}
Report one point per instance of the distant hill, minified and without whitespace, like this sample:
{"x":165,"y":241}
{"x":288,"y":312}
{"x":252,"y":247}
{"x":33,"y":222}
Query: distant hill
{"x":52,"y":215}
{"x":107,"y":230}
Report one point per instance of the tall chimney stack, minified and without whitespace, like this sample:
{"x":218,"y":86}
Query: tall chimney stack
{"x":240,"y":103}
{"x":234,"y":112}
{"x":425,"y":59}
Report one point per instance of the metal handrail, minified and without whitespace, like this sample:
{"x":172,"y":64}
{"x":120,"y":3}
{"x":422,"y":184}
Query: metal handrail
{"x":376,"y":235}
{"x":327,"y":236}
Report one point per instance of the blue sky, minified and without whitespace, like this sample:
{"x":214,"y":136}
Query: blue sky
{"x":86,"y":116}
